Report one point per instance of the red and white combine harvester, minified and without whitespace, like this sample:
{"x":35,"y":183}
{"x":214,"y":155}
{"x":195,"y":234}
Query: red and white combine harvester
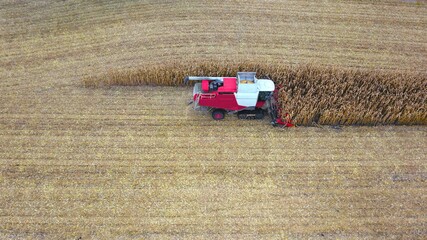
{"x":245,"y":95}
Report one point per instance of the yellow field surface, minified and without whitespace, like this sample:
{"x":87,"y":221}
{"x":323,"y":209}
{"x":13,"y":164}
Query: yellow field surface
{"x":117,"y":163}
{"x":137,"y":162}
{"x":93,"y":36}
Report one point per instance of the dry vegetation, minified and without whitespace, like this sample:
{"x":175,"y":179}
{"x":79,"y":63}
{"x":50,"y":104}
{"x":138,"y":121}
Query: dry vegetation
{"x":136,"y":162}
{"x":310,"y":94}
{"x":117,"y":164}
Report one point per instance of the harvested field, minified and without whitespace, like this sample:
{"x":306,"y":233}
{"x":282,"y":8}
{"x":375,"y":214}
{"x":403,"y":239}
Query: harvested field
{"x":126,"y":166}
{"x":136,"y":162}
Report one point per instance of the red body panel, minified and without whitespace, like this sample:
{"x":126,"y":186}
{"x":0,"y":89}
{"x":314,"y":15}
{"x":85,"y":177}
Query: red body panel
{"x":259,"y":104}
{"x":223,"y":98}
{"x":205,"y":86}
{"x":218,"y":100}
{"x":229,"y":85}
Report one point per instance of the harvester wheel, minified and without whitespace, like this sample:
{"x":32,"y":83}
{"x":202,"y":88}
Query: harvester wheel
{"x":218,"y":114}
{"x":259,"y":114}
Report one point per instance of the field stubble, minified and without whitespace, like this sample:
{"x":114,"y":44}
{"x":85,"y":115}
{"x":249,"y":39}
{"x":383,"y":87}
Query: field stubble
{"x":116,"y":163}
{"x":136,"y":162}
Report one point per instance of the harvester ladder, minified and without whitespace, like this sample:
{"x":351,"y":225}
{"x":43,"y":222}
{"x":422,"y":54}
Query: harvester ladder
{"x":196,"y":102}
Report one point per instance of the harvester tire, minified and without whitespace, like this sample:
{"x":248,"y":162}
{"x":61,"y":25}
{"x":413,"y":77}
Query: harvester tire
{"x":218,"y":114}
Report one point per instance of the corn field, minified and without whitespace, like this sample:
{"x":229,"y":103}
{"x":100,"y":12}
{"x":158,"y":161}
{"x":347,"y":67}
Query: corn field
{"x":137,"y":162}
{"x":310,"y":94}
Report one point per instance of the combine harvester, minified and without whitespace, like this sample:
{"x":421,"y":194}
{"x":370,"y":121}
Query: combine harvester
{"x":245,"y":95}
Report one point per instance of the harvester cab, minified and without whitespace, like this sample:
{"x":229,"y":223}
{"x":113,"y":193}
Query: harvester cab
{"x":245,"y":95}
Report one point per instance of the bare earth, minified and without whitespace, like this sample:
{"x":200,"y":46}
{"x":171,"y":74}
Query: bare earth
{"x":137,"y":162}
